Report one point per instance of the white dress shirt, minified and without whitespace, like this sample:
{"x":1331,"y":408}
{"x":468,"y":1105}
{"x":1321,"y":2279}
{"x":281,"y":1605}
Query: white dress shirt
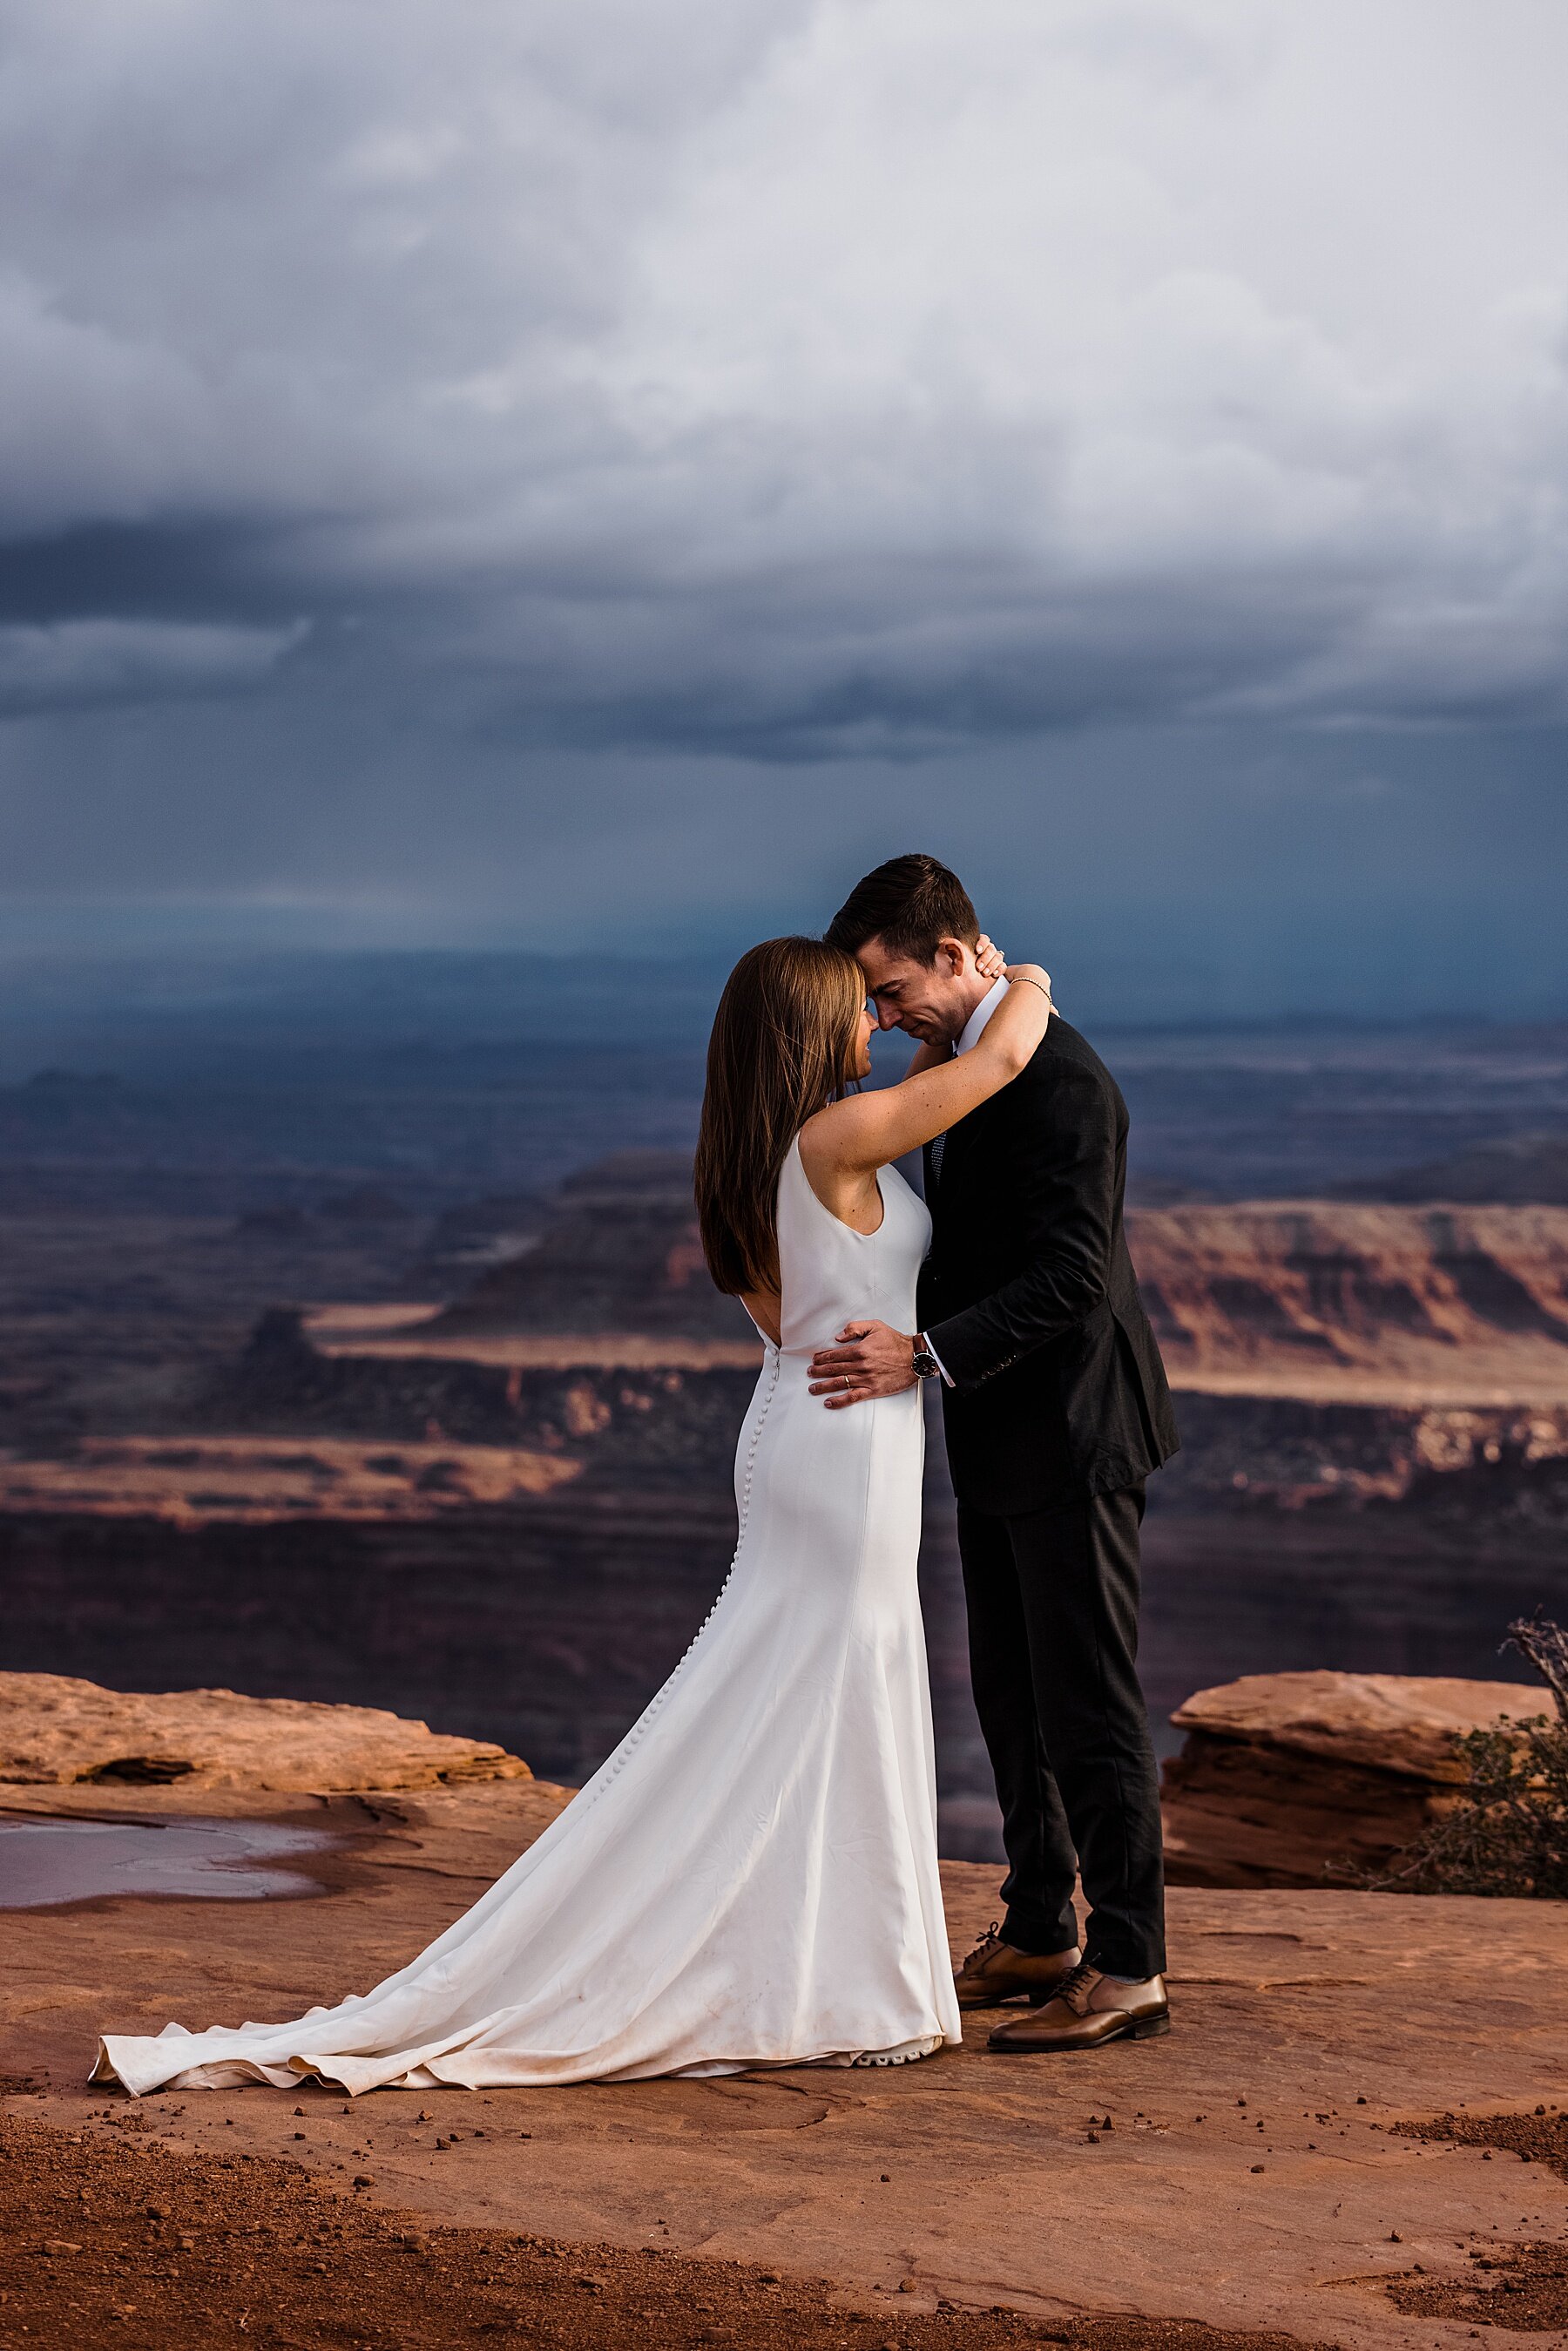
{"x":970,"y":1035}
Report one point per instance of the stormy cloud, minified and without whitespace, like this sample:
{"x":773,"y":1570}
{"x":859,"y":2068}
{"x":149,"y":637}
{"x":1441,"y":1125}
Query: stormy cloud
{"x":401,"y":398}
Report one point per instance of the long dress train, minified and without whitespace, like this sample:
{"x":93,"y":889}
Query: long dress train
{"x":751,"y":1878}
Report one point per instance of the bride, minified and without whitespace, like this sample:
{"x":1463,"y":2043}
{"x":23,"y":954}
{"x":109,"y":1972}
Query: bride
{"x":750,"y":1879}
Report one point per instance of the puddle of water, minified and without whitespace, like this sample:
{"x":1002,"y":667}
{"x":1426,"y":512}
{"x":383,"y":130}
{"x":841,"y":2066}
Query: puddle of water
{"x":48,"y":1862}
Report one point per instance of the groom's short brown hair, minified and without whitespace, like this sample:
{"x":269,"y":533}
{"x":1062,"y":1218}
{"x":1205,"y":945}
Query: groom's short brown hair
{"x":910,"y":903}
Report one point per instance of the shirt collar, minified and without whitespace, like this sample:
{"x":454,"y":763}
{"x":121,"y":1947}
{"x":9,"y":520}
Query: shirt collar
{"x":974,"y":1025}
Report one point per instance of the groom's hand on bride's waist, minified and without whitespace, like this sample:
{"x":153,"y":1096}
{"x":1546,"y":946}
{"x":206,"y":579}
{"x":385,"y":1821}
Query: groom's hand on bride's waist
{"x":866,"y":1359}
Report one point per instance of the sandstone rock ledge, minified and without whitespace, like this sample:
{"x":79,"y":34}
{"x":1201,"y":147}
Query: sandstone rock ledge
{"x":1285,"y":1777}
{"x":56,"y":1731}
{"x":1264,"y":2179}
{"x":1242,"y":2170}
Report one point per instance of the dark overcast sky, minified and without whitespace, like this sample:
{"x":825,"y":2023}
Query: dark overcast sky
{"x":608,"y":472}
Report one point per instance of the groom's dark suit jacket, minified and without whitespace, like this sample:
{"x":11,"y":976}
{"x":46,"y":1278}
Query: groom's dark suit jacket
{"x":1029,"y":1295}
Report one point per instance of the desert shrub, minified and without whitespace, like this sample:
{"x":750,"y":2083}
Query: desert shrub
{"x":1506,"y":1829}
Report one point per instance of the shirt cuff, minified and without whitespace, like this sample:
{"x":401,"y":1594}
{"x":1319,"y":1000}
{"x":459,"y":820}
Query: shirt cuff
{"x":948,"y":1379}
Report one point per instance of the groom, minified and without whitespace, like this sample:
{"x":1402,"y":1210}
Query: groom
{"x":1056,"y":1410}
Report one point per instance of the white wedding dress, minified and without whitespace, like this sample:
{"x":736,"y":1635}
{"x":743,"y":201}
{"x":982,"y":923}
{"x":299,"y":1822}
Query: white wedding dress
{"x":750,"y":1879}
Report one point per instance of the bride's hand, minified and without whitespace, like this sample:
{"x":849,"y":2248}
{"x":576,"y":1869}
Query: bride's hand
{"x":988,"y":959}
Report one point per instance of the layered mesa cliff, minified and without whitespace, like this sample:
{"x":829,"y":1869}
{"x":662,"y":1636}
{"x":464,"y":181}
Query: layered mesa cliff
{"x":1299,"y":1298}
{"x":1323,"y":1350}
{"x":1350,"y":1303}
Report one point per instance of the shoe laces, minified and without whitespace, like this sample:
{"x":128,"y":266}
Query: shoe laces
{"x":1076,"y":1989}
{"x":986,"y":1943}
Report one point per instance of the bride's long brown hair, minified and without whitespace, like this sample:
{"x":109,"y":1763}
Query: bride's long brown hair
{"x":784,"y":1045}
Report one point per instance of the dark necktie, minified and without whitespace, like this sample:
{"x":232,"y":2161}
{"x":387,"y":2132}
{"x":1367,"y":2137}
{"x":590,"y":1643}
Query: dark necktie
{"x":939,"y":1144}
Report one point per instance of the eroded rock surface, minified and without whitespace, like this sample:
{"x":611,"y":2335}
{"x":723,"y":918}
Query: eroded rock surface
{"x":1396,"y":1722}
{"x":54,"y":1731}
{"x":1286,"y":1778}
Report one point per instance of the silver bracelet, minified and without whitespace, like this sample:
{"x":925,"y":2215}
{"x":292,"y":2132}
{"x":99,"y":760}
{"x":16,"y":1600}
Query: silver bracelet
{"x":1021,"y":979}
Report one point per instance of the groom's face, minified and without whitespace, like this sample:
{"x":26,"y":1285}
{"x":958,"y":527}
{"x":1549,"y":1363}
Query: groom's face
{"x":931,"y":1002}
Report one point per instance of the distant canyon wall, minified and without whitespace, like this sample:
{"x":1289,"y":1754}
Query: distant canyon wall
{"x":1295,"y":1294}
{"x":1323,"y":1353}
{"x":656,"y":1424}
{"x":1283,"y":1452}
{"x":1307,"y":1289}
{"x":672,"y":1426}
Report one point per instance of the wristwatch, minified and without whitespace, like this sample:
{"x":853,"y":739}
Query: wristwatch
{"x":926,"y":1365}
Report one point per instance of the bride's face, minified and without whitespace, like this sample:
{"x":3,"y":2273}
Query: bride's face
{"x":868,"y":1026}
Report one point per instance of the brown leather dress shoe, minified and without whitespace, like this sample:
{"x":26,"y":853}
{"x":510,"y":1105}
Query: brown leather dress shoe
{"x":994,"y":1972}
{"x":1088,"y":2009}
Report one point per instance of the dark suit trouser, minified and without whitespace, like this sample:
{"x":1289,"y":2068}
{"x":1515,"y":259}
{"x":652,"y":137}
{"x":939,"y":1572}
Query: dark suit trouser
{"x":1053,"y":1641}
